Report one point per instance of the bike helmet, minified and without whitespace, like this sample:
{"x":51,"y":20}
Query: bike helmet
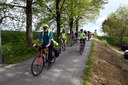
{"x":45,"y":26}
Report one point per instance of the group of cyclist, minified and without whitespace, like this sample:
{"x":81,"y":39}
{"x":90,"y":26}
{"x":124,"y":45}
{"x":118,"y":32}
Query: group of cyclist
{"x":49,"y":42}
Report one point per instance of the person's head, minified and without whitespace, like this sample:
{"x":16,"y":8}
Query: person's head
{"x":63,"y":31}
{"x":45,"y":27}
{"x":81,"y":30}
{"x":84,"y":30}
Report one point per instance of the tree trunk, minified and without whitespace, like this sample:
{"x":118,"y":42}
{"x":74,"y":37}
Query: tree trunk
{"x":29,"y":34}
{"x":71,"y":24}
{"x":77,"y":24}
{"x":0,"y":49}
{"x":58,"y":18}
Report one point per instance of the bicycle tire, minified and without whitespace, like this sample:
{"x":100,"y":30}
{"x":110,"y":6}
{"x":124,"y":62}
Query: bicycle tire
{"x":65,"y":46}
{"x":81,"y":50}
{"x":54,"y":58}
{"x":37,"y":66}
{"x":62,"y":47}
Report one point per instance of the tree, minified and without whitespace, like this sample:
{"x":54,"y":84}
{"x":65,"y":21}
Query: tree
{"x":54,"y":9}
{"x":116,"y":25}
{"x":28,"y":9}
{"x":29,"y":34}
{"x":87,"y":11}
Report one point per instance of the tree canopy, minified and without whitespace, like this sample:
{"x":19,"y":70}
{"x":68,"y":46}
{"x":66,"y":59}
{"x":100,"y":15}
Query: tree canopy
{"x":116,"y":24}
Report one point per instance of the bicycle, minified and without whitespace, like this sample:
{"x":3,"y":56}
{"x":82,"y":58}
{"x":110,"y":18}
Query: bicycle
{"x":81,"y":48}
{"x":63,"y":44}
{"x":40,"y":61}
{"x":73,"y":42}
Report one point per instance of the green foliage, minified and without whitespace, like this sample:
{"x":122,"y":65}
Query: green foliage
{"x":116,"y":25}
{"x":125,"y":40}
{"x":46,"y":11}
{"x":14,"y":47}
{"x":110,"y":40}
{"x":105,"y":42}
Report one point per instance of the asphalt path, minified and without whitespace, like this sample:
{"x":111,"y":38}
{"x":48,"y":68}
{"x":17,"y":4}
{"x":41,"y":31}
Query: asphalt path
{"x":67,"y":70}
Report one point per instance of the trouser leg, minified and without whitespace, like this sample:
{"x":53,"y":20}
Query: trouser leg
{"x":50,"y":48}
{"x":84,"y":41}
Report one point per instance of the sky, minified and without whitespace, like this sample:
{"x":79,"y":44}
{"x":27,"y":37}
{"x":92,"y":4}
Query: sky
{"x":112,"y":6}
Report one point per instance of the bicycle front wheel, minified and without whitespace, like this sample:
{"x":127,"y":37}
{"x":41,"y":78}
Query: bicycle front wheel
{"x":81,"y":50}
{"x":37,"y":65}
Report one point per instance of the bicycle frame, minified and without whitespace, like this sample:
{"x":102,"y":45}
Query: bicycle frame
{"x":40,"y":57}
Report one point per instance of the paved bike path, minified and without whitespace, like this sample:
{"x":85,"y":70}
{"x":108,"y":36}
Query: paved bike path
{"x":67,"y":70}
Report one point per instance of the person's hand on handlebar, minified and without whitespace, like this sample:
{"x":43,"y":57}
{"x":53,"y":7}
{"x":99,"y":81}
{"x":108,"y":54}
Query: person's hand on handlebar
{"x":47,"y":45}
{"x":34,"y":45}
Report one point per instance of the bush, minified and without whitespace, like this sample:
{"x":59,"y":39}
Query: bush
{"x":14,"y":47}
{"x":105,"y":42}
{"x":110,"y":40}
{"x":125,"y":40}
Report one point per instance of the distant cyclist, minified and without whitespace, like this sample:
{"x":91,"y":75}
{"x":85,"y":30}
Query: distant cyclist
{"x":89,"y":35}
{"x":48,"y":41}
{"x":64,"y":37}
{"x":73,"y":36}
{"x":82,"y":36}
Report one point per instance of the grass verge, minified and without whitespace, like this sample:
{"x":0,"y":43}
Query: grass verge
{"x":89,"y":65}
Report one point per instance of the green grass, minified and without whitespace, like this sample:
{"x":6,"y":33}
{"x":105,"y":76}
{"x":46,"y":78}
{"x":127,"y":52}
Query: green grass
{"x":87,"y":71}
{"x":105,"y":42}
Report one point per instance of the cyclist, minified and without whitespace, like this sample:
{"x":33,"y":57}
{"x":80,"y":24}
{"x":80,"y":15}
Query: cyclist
{"x":48,"y":41}
{"x":82,"y":36}
{"x":73,"y":36}
{"x":63,"y":37}
{"x":89,"y":35}
{"x":85,"y":32}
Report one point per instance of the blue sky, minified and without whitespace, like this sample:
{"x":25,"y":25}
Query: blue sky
{"x":112,"y":6}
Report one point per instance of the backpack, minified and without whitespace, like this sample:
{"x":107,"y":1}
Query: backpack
{"x":57,"y":51}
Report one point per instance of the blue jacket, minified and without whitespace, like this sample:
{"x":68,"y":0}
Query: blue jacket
{"x":45,"y":37}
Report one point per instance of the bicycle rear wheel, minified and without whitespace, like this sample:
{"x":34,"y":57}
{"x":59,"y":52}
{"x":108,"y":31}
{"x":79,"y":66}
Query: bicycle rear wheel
{"x":53,"y":58}
{"x":37,"y":65}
